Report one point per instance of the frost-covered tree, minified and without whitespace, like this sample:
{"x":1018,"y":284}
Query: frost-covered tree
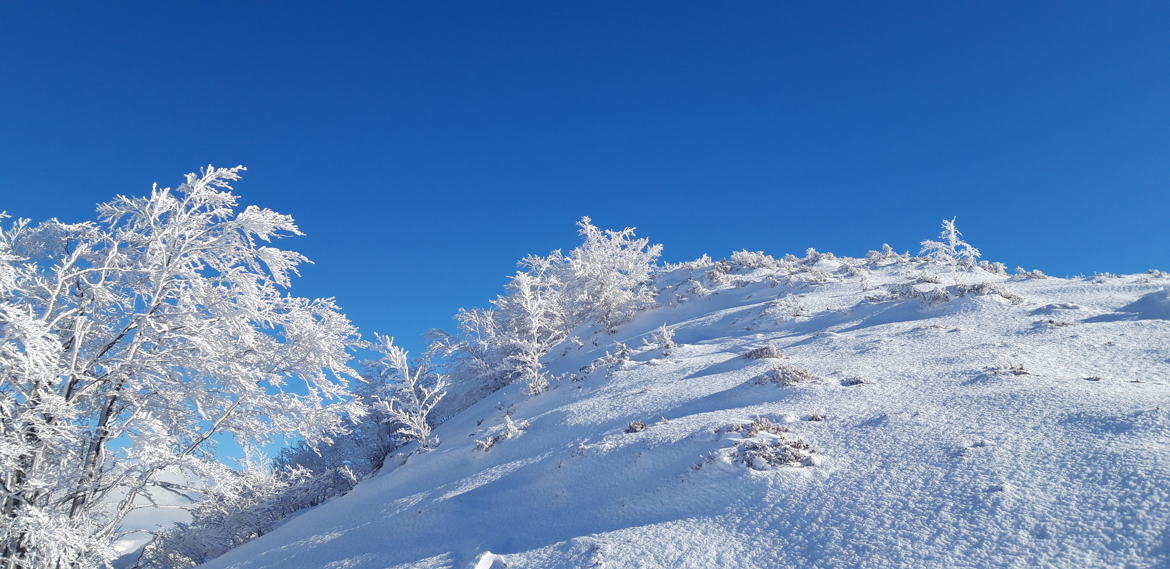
{"x":133,"y":342}
{"x":412,"y":395}
{"x":608,"y":276}
{"x":662,"y":339}
{"x":534,"y":320}
{"x":600,"y":284}
{"x":950,"y":248}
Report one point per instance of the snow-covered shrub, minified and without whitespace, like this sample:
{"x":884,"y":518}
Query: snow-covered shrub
{"x":720,"y":274}
{"x":508,"y":430}
{"x":697,"y":288}
{"x":995,"y":268}
{"x":810,"y":276}
{"x":887,"y":256}
{"x":786,"y":375}
{"x":621,"y":353}
{"x":788,"y":306}
{"x":764,"y":352}
{"x":762,"y":445}
{"x":635,"y":427}
{"x":412,"y":395}
{"x":756,"y":427}
{"x":773,"y":452}
{"x":988,"y":289}
{"x":950,"y":249}
{"x":601,"y":283}
{"x":854,"y":270}
{"x":928,"y":296}
{"x":1025,"y":274}
{"x":534,"y":319}
{"x":702,"y":262}
{"x":812,"y":256}
{"x":749,"y":260}
{"x":662,"y":340}
{"x":608,"y":276}
{"x":926,"y":278}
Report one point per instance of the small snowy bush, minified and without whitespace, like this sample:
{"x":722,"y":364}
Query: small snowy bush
{"x":764,"y":352}
{"x":931,"y":296}
{"x":772,"y":453}
{"x":663,"y":340}
{"x":697,"y":288}
{"x":762,"y":445}
{"x":1024,"y":274}
{"x":950,"y":249}
{"x":995,"y":268}
{"x":986,"y":289}
{"x":787,"y":307}
{"x":887,"y":256}
{"x":508,"y":430}
{"x":786,"y":375}
{"x":413,"y":395}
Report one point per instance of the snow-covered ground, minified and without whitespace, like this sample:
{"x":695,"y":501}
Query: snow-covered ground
{"x":1023,"y":424}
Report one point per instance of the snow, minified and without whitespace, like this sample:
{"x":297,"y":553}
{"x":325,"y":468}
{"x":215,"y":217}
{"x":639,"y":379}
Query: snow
{"x":1026,"y":424}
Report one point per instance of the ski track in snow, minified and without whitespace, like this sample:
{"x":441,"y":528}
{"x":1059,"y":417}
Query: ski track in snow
{"x":934,"y":461}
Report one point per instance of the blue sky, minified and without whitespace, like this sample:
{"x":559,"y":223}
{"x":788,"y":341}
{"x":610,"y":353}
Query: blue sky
{"x":424,"y":147}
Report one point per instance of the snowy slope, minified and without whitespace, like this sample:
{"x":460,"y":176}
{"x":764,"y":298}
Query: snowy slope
{"x":1025,"y":424}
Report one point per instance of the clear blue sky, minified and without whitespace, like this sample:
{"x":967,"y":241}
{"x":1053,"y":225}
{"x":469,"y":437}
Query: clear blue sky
{"x":425,"y":146}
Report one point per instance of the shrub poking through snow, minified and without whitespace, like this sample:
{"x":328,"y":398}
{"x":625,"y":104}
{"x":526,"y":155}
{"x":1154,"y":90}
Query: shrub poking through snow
{"x":927,"y":296}
{"x":950,"y":249}
{"x":887,"y":256}
{"x":772,"y":453}
{"x":621,"y":352}
{"x":697,"y":288}
{"x":610,"y":361}
{"x":764,"y":425}
{"x":996,"y":267}
{"x":787,"y":376}
{"x":986,"y":289}
{"x":764,"y":352}
{"x":509,"y":430}
{"x":751,"y":260}
{"x":1008,"y":369}
{"x":1024,"y":274}
{"x":636,"y":427}
{"x":663,"y":340}
{"x":762,"y":445}
{"x":789,"y":306}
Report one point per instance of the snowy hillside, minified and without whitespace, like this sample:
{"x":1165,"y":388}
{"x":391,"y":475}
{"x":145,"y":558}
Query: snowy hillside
{"x":979,"y":420}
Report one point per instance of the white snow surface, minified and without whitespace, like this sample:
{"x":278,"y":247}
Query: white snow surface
{"x":985,"y":433}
